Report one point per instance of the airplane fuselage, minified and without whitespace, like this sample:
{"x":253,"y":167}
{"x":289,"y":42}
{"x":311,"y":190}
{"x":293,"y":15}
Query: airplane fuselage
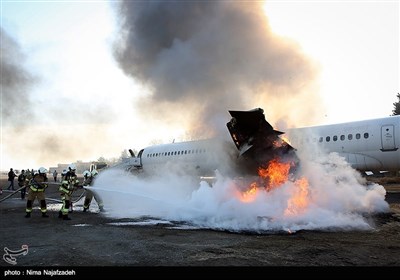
{"x":368,"y":145}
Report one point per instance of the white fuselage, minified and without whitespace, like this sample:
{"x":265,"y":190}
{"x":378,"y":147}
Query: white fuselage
{"x":201,"y":157}
{"x":368,"y":145}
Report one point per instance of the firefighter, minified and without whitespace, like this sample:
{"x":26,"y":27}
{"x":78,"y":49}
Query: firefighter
{"x":37,"y":185}
{"x":88,"y":182}
{"x":68,"y":184}
{"x":21,"y":183}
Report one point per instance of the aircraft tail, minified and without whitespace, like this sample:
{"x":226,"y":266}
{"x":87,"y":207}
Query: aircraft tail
{"x":256,"y":139}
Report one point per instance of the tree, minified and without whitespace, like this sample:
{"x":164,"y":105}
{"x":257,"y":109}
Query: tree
{"x":396,"y":110}
{"x":101,"y":159}
{"x":124,"y":155}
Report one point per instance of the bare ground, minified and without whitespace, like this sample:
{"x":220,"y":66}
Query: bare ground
{"x":90,"y":239}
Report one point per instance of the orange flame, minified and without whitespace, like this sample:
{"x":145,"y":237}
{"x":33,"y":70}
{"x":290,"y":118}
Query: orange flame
{"x":276,"y":173}
{"x":299,"y":201}
{"x":250,"y":194}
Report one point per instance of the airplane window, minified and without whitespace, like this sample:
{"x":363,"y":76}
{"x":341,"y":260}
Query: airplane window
{"x":358,"y":136}
{"x":185,"y":152}
{"x":328,"y":138}
{"x":321,"y":139}
{"x":335,"y":138}
{"x":175,"y":153}
{"x":179,"y":152}
{"x":366,"y":135}
{"x":342,"y":137}
{"x":350,"y":136}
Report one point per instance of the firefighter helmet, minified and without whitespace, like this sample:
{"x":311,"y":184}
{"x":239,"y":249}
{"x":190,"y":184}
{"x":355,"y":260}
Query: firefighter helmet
{"x":72,"y":167}
{"x":95,"y":172}
{"x":42,"y":170}
{"x":86,"y":173}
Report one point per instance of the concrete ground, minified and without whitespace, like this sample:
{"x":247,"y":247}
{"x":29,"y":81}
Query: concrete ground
{"x":92,"y":240}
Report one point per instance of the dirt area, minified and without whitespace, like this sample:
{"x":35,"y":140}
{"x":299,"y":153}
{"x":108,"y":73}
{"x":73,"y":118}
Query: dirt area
{"x":91,"y":239}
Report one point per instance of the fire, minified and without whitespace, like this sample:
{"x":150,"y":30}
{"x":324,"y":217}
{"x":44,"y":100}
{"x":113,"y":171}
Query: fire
{"x":250,"y":194}
{"x":275,"y":174}
{"x":299,"y":201}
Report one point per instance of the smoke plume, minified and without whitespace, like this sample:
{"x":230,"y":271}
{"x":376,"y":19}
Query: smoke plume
{"x":202,"y":58}
{"x":27,"y":118}
{"x":15,"y":82}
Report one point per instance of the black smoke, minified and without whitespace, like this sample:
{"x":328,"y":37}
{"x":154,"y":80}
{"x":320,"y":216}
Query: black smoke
{"x":16,"y":81}
{"x":203,"y":58}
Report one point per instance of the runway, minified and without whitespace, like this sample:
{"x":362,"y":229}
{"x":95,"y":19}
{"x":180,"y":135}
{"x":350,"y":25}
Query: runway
{"x":92,"y":239}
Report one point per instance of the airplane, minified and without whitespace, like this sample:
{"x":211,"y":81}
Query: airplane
{"x":367,"y":145}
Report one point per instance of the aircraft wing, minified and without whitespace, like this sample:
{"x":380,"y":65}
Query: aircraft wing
{"x":256,"y":139}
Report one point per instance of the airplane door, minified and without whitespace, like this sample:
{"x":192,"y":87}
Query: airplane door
{"x":387,"y":134}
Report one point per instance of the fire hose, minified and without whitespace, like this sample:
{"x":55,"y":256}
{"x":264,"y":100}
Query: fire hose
{"x":51,"y":199}
{"x":60,"y":201}
{"x":11,"y":194}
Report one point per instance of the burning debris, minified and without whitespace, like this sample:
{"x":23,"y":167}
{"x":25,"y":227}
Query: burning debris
{"x":259,"y":144}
